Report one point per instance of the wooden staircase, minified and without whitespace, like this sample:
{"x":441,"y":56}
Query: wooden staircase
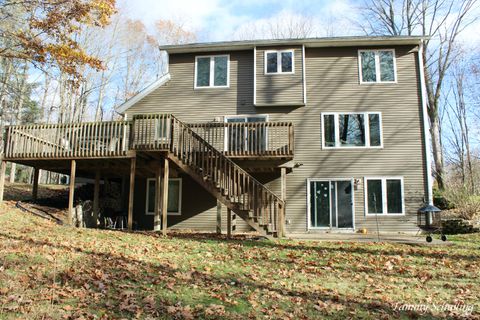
{"x":262,"y":209}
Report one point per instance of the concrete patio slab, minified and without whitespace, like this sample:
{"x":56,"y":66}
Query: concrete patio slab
{"x":358,"y":237}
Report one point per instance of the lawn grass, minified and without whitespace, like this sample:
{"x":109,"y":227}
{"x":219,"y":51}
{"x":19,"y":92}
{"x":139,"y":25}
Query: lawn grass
{"x":56,"y":272}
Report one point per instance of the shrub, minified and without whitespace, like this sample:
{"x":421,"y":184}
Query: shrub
{"x":464,"y":204}
{"x":440,"y":201}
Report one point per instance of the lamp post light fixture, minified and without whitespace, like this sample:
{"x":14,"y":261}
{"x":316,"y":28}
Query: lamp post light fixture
{"x":429,"y":220}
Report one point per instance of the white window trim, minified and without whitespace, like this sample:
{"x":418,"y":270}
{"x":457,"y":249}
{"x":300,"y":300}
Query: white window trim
{"x":254,"y":75}
{"x":384,"y":195}
{"x":212,"y":72}
{"x":179,"y":197}
{"x":279,"y":59}
{"x":377,"y":66}
{"x":337,"y":130}
{"x":309,"y":223}
{"x":225,"y":118}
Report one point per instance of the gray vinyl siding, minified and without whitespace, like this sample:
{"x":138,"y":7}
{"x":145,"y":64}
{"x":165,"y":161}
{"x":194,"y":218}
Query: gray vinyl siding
{"x":198,"y":208}
{"x":179,"y":97}
{"x":283,"y":89}
{"x":332,"y":86}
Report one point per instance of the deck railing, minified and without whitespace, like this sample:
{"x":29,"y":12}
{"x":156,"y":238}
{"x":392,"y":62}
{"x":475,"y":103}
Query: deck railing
{"x":74,"y":140}
{"x":238,"y":139}
{"x":147,"y":132}
{"x":151,"y":132}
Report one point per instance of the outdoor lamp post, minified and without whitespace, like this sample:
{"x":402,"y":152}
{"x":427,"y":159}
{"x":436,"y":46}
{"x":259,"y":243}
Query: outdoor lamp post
{"x":429,"y":210}
{"x":430,"y":221}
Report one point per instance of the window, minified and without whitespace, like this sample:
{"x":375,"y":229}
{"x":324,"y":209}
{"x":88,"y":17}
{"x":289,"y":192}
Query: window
{"x":351,"y":130}
{"x":279,"y":62}
{"x":212,"y":71}
{"x":384,"y":195}
{"x":377,"y":66}
{"x":174,"y":196}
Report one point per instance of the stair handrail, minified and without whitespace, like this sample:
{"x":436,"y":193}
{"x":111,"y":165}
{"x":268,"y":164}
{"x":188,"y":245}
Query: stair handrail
{"x":227,"y":159}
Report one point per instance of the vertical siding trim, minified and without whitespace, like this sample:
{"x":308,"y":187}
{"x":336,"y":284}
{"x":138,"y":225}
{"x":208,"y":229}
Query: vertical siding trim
{"x":304,"y":76}
{"x":168,"y":62}
{"x":426,"y":127}
{"x":254,"y":75}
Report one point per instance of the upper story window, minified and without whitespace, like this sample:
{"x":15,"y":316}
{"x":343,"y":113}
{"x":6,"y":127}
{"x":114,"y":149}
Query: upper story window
{"x":352,"y":130}
{"x":377,"y":66}
{"x":212,"y":71}
{"x":280,"y":61}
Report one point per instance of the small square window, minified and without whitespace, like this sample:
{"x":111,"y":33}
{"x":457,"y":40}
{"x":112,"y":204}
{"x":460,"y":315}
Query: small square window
{"x":212,"y":72}
{"x":384,"y":196}
{"x":377,"y":66}
{"x":277,"y":62}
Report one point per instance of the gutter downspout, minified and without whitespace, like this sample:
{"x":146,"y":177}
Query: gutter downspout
{"x":255,"y":76}
{"x":426,"y":126}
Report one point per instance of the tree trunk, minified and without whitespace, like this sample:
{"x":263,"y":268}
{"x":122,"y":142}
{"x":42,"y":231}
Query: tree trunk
{"x":437,"y":152}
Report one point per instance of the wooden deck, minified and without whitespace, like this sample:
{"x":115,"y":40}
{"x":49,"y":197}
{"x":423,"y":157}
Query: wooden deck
{"x":149,"y":132}
{"x":147,"y":144}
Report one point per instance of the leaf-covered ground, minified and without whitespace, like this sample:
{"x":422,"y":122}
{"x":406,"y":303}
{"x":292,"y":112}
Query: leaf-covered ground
{"x":56,"y":272}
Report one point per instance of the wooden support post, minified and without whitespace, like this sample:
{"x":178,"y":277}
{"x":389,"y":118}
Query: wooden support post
{"x":36,"y":177}
{"x":96,"y":197}
{"x":281,"y":212}
{"x":157,"y":219}
{"x":13,"y":169}
{"x":71,"y":191}
{"x":165,"y":197}
{"x":3,"y":168}
{"x":231,"y":223}
{"x":133,"y":163}
{"x":219,"y":217}
{"x":123,"y":193}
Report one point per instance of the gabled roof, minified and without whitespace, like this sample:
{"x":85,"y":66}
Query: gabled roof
{"x":142,"y":94}
{"x":307,"y":42}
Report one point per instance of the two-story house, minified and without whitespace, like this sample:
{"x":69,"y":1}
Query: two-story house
{"x":293,"y":136}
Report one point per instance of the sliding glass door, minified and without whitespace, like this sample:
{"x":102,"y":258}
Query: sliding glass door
{"x":331,"y":204}
{"x":243,"y":138}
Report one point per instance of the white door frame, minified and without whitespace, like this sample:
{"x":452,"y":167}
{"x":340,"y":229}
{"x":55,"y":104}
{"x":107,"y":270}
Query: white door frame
{"x":309,"y":223}
{"x":226,"y":118}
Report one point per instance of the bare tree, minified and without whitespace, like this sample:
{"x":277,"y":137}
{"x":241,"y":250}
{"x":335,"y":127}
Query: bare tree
{"x":168,"y":32}
{"x":441,"y":21}
{"x":283,"y":26}
{"x":463,"y":108}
